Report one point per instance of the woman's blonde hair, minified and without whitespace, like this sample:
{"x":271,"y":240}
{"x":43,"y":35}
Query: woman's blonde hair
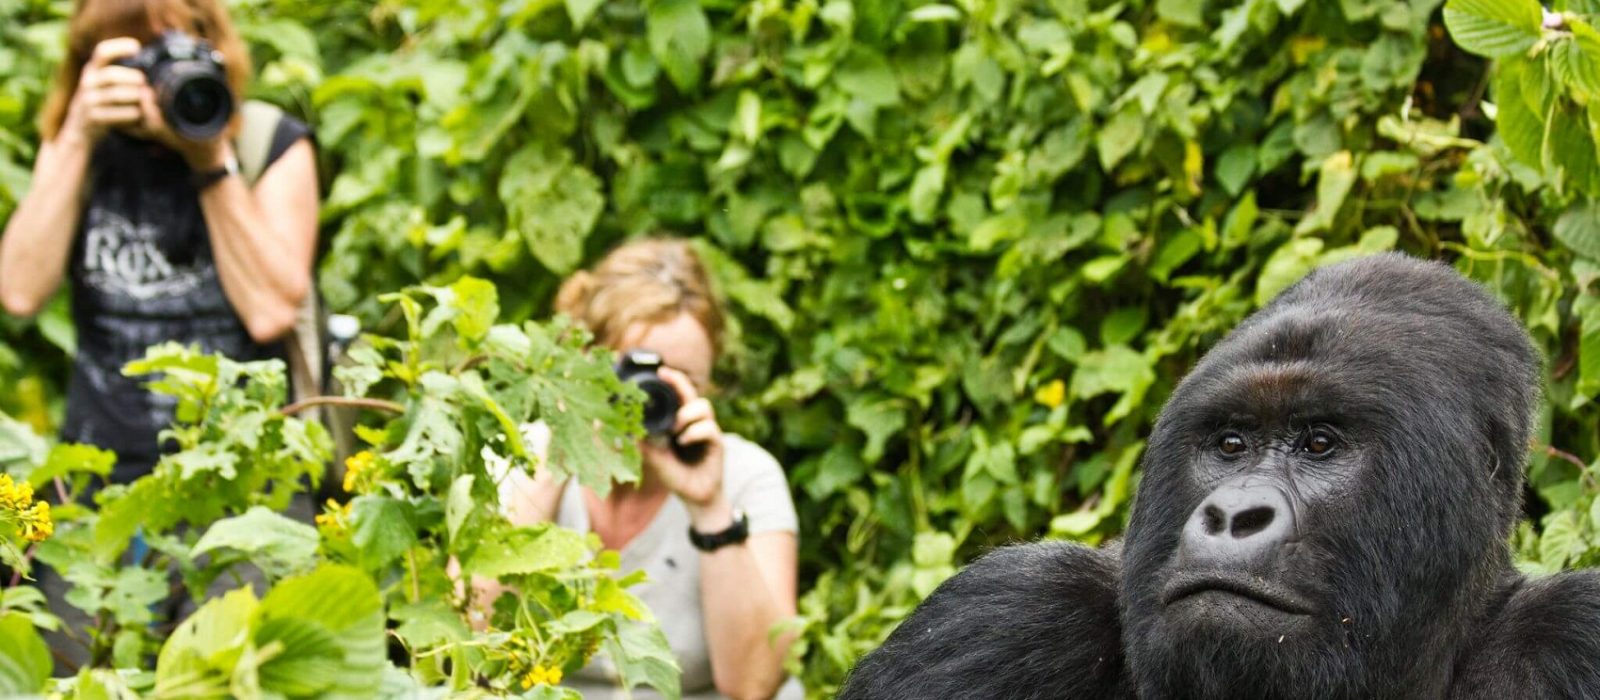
{"x":647,"y":281}
{"x":94,"y":21}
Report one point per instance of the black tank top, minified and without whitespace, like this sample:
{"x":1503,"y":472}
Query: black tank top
{"x":142,"y":273}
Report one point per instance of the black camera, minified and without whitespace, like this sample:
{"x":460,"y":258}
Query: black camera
{"x":190,"y":83}
{"x":661,"y":402}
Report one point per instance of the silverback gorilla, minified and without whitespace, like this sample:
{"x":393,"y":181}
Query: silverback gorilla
{"x":1325,"y":509}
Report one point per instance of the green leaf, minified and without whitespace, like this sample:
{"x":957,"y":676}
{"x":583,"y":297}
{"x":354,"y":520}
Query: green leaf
{"x":329,"y":624}
{"x":552,"y":201}
{"x":381,"y":528}
{"x":581,"y":10}
{"x":1338,"y":175}
{"x":1494,"y":28}
{"x":880,"y":420}
{"x":1120,"y":135}
{"x":1182,"y":12}
{"x":1289,"y":263}
{"x":1235,"y":168}
{"x":1579,"y":229}
{"x":278,"y":545}
{"x":1587,"y":309}
{"x":67,"y":459}
{"x":202,"y":653}
{"x":1560,"y":541}
{"x":866,"y":76}
{"x":526,"y":550}
{"x":24,"y":658}
{"x":642,"y":657}
{"x":679,"y":37}
{"x":477,"y":305}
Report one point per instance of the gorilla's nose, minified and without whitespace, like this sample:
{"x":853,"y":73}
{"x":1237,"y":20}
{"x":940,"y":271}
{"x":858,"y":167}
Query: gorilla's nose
{"x":1238,"y":524}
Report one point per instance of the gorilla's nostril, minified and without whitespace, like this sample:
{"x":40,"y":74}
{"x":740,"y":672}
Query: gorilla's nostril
{"x":1251,"y":522}
{"x":1214,"y":519}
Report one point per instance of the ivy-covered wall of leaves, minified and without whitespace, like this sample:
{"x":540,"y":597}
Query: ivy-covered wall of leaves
{"x":970,"y":245}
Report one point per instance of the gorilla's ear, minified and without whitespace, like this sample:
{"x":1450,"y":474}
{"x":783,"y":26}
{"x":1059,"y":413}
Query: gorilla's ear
{"x":1036,"y":620}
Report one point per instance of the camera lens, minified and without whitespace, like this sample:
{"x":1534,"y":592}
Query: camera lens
{"x":660,"y":404}
{"x":198,"y":101}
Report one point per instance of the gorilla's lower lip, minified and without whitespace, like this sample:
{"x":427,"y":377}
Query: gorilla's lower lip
{"x":1243,"y":585}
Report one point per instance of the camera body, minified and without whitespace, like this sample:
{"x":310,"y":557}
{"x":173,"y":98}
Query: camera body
{"x":661,"y":402}
{"x":190,"y":84}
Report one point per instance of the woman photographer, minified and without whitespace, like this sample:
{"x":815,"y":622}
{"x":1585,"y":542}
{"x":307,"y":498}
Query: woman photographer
{"x":716,"y":534}
{"x":159,"y":235}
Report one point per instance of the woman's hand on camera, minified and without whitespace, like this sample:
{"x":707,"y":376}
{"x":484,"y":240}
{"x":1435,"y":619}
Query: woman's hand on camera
{"x":109,"y":96}
{"x":699,"y":485}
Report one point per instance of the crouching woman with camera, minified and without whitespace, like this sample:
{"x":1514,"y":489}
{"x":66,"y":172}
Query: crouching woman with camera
{"x":711,"y":521}
{"x":138,"y":199}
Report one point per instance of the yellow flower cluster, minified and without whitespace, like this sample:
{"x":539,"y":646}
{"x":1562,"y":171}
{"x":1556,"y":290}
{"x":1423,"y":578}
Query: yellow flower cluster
{"x":336,"y":515}
{"x":357,"y":464}
{"x":1051,"y":395}
{"x":16,"y":502}
{"x":541,"y":674}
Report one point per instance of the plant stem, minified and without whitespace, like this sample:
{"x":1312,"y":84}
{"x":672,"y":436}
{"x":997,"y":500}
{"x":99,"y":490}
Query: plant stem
{"x":313,"y":402}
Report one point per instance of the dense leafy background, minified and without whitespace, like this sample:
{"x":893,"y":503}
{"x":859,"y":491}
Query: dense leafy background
{"x":970,"y":246}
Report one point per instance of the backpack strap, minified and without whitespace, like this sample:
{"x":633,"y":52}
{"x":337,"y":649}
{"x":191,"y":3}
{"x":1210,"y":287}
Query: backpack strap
{"x":305,"y":344}
{"x":254,"y":142}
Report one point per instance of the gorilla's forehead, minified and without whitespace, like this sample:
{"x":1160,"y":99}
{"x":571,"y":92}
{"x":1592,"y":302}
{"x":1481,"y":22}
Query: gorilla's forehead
{"x":1308,"y":363}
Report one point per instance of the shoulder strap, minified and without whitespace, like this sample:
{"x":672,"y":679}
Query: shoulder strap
{"x":254,"y":142}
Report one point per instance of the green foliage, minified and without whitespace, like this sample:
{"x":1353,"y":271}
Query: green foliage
{"x":404,"y":557}
{"x":969,"y":246}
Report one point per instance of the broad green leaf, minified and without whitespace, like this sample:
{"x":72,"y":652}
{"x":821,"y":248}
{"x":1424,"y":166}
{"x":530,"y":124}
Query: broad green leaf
{"x":330,"y":624}
{"x":275,"y":543}
{"x":642,"y":657}
{"x":1119,"y":137}
{"x":381,"y":528}
{"x":1337,"y":176}
{"x":24,"y":659}
{"x":1560,"y":540}
{"x":1579,"y":229}
{"x":527,"y":550}
{"x":204,"y":650}
{"x":1494,"y":28}
{"x":1288,"y":264}
{"x":1587,"y":309}
{"x":552,"y":201}
{"x":679,"y":38}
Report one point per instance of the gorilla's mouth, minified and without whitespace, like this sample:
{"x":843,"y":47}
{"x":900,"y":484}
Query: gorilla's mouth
{"x":1253,"y":588}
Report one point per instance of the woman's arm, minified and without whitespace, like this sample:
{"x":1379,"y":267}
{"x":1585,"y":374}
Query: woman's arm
{"x":264,"y":240}
{"x":38,"y":239}
{"x":744,"y":591}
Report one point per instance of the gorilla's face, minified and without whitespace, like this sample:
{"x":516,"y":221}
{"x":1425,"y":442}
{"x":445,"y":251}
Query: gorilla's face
{"x":1305,"y":513}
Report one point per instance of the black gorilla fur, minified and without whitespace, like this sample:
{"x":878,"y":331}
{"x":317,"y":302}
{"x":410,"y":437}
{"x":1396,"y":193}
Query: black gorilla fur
{"x":1325,"y":509}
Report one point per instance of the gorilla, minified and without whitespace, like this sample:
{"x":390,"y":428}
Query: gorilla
{"x":1325,"y":509}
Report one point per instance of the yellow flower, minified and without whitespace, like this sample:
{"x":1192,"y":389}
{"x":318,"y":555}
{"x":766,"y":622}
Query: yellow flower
{"x":1051,"y":395}
{"x":353,"y":467}
{"x":335,"y":515}
{"x":541,"y":675}
{"x":36,"y":523}
{"x":14,"y":496}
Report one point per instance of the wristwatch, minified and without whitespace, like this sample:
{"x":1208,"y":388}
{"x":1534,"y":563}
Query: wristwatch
{"x":206,"y":178}
{"x":736,"y":533}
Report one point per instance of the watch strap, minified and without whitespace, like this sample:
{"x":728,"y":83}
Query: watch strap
{"x":204,"y":179}
{"x":738,"y":532}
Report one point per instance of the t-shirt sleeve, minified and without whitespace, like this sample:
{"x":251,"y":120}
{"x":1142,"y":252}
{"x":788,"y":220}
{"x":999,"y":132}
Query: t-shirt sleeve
{"x":755,"y":484}
{"x":290,"y":131}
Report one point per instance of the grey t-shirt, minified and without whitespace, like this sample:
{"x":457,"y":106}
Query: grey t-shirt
{"x":754,"y":483}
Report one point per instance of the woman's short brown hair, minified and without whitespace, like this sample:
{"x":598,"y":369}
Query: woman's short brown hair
{"x":94,"y":21}
{"x":646,"y":281}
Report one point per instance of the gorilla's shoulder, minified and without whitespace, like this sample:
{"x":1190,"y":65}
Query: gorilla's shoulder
{"x":1544,"y":641}
{"x":1025,"y":621}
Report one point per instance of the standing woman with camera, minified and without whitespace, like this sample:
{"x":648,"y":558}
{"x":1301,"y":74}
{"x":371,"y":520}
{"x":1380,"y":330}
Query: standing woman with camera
{"x":711,"y":520}
{"x":138,"y":201}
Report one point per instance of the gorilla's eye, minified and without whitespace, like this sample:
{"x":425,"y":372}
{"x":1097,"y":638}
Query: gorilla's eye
{"x":1231,"y":444}
{"x":1319,"y":443}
